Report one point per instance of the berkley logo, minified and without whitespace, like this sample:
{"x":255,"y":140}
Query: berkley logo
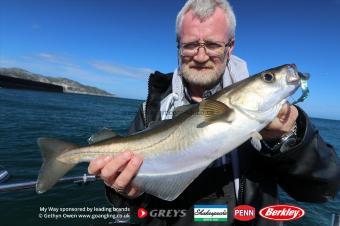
{"x":282,"y":212}
{"x":244,"y":213}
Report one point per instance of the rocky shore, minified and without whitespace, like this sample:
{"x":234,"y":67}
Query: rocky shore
{"x":21,"y":79}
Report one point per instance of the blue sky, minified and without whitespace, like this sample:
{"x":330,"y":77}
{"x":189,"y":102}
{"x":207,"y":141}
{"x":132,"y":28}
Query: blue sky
{"x":114,"y":45}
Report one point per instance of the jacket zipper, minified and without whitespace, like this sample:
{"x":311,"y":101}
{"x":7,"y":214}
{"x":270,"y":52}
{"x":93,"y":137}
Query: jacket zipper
{"x":147,"y":107}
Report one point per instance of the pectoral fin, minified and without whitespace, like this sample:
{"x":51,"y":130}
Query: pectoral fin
{"x":213,"y":110}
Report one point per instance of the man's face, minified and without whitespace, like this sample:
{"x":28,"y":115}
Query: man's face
{"x":201,"y":69}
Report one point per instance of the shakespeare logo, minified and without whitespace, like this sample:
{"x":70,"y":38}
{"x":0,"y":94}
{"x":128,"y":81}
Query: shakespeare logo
{"x":209,"y":213}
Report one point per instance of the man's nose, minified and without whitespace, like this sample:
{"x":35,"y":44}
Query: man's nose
{"x":201,"y":55}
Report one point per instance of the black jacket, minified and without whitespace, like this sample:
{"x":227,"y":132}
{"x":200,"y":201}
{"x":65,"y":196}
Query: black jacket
{"x":308,"y":172}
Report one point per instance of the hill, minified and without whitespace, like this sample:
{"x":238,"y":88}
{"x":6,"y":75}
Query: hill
{"x":69,"y":86}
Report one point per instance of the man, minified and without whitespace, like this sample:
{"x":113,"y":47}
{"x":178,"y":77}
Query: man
{"x":307,"y":169}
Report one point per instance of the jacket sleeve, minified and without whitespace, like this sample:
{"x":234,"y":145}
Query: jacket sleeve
{"x":310,"y":170}
{"x":115,"y":198}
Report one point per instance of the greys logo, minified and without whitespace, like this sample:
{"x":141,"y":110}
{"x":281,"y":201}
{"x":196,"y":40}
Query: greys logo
{"x":167,"y":213}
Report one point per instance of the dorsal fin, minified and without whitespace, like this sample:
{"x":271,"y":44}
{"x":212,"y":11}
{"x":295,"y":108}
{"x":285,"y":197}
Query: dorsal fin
{"x":102,"y":135}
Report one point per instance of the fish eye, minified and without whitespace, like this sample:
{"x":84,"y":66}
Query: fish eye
{"x":267,"y":77}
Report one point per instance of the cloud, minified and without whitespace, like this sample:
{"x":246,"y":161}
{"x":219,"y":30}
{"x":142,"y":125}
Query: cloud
{"x":132,"y":72}
{"x":49,"y":64}
{"x":65,"y":66}
{"x":78,"y":73}
{"x":55,"y":59}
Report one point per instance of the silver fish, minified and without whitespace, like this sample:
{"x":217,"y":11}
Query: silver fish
{"x":176,"y":151}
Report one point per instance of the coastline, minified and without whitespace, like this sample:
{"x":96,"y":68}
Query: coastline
{"x":13,"y":82}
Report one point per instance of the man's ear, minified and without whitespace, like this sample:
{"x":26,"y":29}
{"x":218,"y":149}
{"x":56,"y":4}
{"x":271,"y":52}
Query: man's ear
{"x":179,"y":59}
{"x":230,"y":47}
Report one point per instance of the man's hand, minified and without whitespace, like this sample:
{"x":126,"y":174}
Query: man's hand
{"x":118,"y":171}
{"x":283,"y":123}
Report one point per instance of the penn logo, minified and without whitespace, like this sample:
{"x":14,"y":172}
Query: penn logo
{"x":142,"y":213}
{"x":244,"y":213}
{"x":282,"y":212}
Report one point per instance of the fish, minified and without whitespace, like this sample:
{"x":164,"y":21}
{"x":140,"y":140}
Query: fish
{"x":176,"y":151}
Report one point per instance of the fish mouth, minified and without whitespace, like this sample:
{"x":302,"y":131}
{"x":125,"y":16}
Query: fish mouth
{"x":293,"y":76}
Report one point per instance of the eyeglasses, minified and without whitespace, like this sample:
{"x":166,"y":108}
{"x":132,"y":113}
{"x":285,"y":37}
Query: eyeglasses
{"x":212,"y":49}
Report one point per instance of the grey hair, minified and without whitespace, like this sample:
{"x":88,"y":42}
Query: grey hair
{"x":203,"y":9}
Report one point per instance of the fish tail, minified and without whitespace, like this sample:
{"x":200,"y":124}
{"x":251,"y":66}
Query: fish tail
{"x":52,"y":169}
